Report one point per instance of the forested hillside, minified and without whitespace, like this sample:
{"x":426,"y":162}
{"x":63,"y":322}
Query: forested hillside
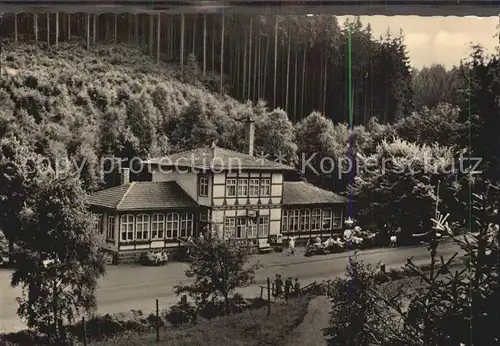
{"x":297,"y":63}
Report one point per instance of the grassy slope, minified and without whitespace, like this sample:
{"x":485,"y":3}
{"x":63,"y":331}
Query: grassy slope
{"x":250,"y":328}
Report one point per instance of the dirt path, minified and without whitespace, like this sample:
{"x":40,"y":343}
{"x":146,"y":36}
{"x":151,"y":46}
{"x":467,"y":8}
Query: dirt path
{"x":310,"y":331}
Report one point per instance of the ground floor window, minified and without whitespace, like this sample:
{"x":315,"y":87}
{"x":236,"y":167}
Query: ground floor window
{"x":157,"y":227}
{"x":127,"y":227}
{"x":337,"y":218}
{"x":110,"y":234}
{"x":263,"y":225}
{"x":284,"y":222}
{"x":241,"y":227}
{"x":316,"y":220}
{"x":186,"y":225}
{"x":172,"y":225}
{"x":229,"y":227}
{"x":306,"y":220}
{"x":251,"y":229}
{"x":142,"y":227}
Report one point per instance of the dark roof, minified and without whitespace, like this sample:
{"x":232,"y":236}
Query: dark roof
{"x":301,"y":192}
{"x":218,"y":159}
{"x":145,"y":195}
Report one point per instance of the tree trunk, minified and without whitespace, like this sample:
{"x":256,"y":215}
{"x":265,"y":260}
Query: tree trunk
{"x":255,"y":75}
{"x":259,"y":67}
{"x":245,"y":67}
{"x":151,"y":34}
{"x":325,"y":73}
{"x":194,"y":35}
{"x":182,"y":43}
{"x":304,"y":56}
{"x":222,"y":34}
{"x":288,"y":69}
{"x":250,"y":59}
{"x":204,"y":44}
{"x":266,"y":54}
{"x":275,"y":60}
{"x":158,"y":38}
{"x":295,"y":85}
{"x":213,"y":44}
{"x":238,"y":65}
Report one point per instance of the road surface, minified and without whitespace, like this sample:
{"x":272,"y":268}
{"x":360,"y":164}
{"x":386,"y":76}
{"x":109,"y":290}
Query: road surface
{"x":129,"y":287}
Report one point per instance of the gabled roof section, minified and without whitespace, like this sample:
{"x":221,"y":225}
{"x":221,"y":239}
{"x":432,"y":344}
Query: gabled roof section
{"x":301,"y":192}
{"x":145,"y":195}
{"x":217,"y":159}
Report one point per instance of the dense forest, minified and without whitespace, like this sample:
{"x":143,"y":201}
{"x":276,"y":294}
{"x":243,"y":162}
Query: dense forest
{"x":296,"y":63}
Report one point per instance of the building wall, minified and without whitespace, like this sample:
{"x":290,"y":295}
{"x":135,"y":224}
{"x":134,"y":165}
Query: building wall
{"x":189,"y":181}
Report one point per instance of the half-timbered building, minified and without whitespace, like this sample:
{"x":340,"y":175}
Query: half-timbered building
{"x":234,"y":195}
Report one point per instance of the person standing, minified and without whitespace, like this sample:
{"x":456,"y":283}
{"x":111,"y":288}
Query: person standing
{"x":288,"y":287}
{"x":291,"y":245}
{"x":296,"y":287}
{"x":278,"y":286}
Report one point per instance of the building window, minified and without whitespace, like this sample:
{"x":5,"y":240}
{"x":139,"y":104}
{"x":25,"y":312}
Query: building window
{"x":127,"y":227}
{"x":203,"y":216}
{"x":242,"y":187}
{"x":172,"y":225}
{"x":186,"y":226}
{"x":305,"y":216}
{"x":265,"y":187}
{"x":284,"y":222}
{"x":97,"y":223}
{"x":229,"y":227}
{"x":142,"y":227}
{"x":203,"y":187}
{"x":241,"y":226}
{"x":316,"y":220}
{"x":327,"y":219}
{"x":252,"y":228}
{"x":111,"y":228}
{"x":253,"y":188}
{"x":337,"y":218}
{"x":294,"y":221}
{"x":157,"y":226}
{"x":263,"y":224}
{"x":231,"y":187}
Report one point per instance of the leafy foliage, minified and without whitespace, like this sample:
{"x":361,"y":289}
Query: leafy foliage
{"x":397,"y":184}
{"x":218,"y":268}
{"x":60,"y":258}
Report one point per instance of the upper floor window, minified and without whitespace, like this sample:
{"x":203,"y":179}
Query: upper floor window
{"x":127,"y":227}
{"x":142,"y":227}
{"x":203,"y":187}
{"x":242,"y":187}
{"x":265,"y":187}
{"x":253,"y":188}
{"x":110,"y":235}
{"x":157,"y":226}
{"x":231,"y":187}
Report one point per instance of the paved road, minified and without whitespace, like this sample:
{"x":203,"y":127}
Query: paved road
{"x":136,"y":287}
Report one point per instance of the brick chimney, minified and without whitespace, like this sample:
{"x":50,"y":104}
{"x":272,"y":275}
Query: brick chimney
{"x":125,"y":176}
{"x":249,"y":135}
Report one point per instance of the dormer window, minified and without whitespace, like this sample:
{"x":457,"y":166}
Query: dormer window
{"x":203,"y":187}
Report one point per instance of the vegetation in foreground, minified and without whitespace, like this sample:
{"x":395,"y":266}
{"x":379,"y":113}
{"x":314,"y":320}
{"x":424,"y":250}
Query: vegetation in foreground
{"x":248,"y":328}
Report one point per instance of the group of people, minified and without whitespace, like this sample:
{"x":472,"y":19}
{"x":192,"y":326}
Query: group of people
{"x":287,"y":288}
